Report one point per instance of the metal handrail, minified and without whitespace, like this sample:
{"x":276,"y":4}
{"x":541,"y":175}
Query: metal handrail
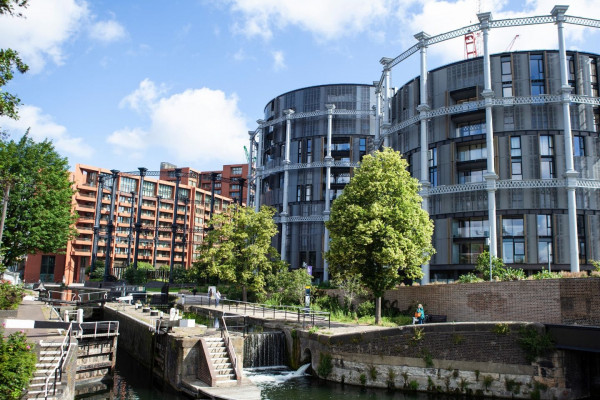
{"x":103,"y":295}
{"x":64,"y":350}
{"x":301,"y":312}
{"x":228,"y":345}
{"x":107,"y":328}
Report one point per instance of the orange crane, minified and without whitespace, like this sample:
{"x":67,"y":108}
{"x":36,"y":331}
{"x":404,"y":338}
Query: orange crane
{"x":511,"y":44}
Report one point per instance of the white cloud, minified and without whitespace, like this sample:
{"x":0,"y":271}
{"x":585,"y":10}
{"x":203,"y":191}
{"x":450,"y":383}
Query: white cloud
{"x":325,"y":19}
{"x":278,"y":60}
{"x":195,"y":126}
{"x":40,"y":35}
{"x":107,"y":31}
{"x":143,"y":97}
{"x":42,"y":126}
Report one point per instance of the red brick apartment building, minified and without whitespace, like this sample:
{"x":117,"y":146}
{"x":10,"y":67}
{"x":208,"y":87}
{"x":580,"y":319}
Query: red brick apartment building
{"x":157,"y":210}
{"x":227,"y":181}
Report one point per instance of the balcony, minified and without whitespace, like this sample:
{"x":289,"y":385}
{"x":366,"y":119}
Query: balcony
{"x":470,"y":130}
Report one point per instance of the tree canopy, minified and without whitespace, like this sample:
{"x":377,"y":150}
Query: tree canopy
{"x":238,"y":248}
{"x":10,"y":60}
{"x":39,"y":214}
{"x":377,"y":226}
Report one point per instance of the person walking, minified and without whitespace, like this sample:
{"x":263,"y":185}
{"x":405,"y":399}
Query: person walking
{"x":217,"y":298}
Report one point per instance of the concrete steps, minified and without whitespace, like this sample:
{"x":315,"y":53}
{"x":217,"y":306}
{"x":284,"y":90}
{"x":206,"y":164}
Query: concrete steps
{"x":47,"y":361}
{"x":221,"y":361}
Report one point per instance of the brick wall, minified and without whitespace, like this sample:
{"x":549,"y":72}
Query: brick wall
{"x":550,"y":301}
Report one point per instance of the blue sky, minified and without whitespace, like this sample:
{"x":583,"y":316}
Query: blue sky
{"x":128,"y":83}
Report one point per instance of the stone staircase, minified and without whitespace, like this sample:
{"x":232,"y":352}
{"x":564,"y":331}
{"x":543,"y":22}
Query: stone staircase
{"x":49,"y":356}
{"x":221,"y":361}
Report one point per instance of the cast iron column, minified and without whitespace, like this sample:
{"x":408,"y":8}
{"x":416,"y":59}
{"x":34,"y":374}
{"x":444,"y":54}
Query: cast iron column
{"x":131,"y":218}
{"x":259,"y":165}
{"x":558,"y":12}
{"x":97,"y":221}
{"x":156,"y":224}
{"x":328,"y":163}
{"x":186,"y":200}
{"x":286,"y":179}
{"x":138,"y":223}
{"x":111,"y":225}
{"x":174,"y":225}
{"x":242,"y":181}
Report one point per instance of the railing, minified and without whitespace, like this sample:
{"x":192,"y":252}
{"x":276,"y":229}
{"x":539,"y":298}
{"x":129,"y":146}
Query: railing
{"x":98,"y":329}
{"x":101,"y":295}
{"x":64,"y":350}
{"x":302,"y":314}
{"x":229,"y":346}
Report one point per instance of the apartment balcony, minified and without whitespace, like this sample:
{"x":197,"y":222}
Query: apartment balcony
{"x":85,"y":196}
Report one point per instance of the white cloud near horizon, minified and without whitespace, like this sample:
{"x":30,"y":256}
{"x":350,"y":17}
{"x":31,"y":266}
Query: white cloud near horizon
{"x":41,"y":127}
{"x":196,"y":125}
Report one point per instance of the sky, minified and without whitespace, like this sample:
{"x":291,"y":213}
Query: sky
{"x":122,"y":84}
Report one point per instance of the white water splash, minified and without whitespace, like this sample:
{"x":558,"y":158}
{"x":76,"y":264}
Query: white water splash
{"x":274,"y":375}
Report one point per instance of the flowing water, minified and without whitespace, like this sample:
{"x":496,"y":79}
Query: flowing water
{"x":264,"y":349}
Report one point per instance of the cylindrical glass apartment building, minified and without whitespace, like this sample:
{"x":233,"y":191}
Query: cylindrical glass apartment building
{"x":529,"y":159}
{"x":310,"y":140}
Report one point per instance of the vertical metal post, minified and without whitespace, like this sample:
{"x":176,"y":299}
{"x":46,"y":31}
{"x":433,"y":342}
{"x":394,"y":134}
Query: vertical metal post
{"x":174,"y":225}
{"x":328,"y":163}
{"x":242,"y":181}
{"x":490,"y":175}
{"x":97,"y":221}
{"x":130,"y":236}
{"x":156,"y":224}
{"x":138,"y":222}
{"x":423,"y":108}
{"x":111,"y":225}
{"x":558,"y":12}
{"x":186,"y":200}
{"x":286,"y":179}
{"x":4,"y":207}
{"x":259,"y":164}
{"x":249,"y":176}
{"x":213,"y":178}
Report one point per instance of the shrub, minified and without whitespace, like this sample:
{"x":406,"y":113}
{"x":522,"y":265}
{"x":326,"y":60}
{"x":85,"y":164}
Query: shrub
{"x":501,"y":329}
{"x":373,"y":373}
{"x":469,"y":278}
{"x":413,"y":385}
{"x":97,"y":275}
{"x":487,"y":382}
{"x":391,"y":379}
{"x":17,"y":364}
{"x":483,"y":266}
{"x":365,"y":308}
{"x":363,"y":379}
{"x":138,"y":276}
{"x":10,"y":295}
{"x":325,"y":365}
{"x":533,"y":343}
{"x":544,"y":274}
{"x":512,"y":274}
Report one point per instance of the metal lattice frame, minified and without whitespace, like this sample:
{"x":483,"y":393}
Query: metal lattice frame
{"x":317,"y":164}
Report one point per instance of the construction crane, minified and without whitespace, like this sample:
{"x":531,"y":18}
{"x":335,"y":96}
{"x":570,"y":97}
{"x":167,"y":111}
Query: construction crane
{"x":511,"y":44}
{"x":248,"y":155}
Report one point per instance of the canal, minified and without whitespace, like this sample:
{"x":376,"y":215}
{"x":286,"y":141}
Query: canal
{"x":133,"y":382}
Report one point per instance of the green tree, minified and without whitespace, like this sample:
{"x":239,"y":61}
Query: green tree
{"x":9,"y":61}
{"x":377,"y":226}
{"x":482,"y":267}
{"x":238,"y":249}
{"x":39,"y":214}
{"x":288,"y":286}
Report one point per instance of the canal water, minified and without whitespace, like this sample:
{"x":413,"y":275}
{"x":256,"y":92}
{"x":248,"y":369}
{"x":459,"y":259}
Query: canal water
{"x":131,"y":382}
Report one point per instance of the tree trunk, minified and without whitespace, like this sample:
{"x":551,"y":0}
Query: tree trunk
{"x":377,"y":310}
{"x":244,"y":293}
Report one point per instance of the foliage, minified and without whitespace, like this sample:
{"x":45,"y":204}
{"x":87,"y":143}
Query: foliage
{"x":596,"y":265}
{"x":427,"y":358}
{"x":533,"y":343}
{"x":325,"y":365}
{"x":97,"y":275}
{"x":10,"y":295}
{"x":545,"y":274}
{"x":469,"y":278}
{"x":413,"y":385}
{"x":39,"y":216}
{"x":363,"y":379}
{"x":482,"y":266}
{"x":180,"y":275}
{"x":513,"y":274}
{"x":501,"y":329}
{"x":287,"y":286}
{"x":377,"y":226}
{"x":238,"y":249}
{"x":365,"y":308}
{"x":418,"y":335}
{"x":138,"y":276}
{"x":391,"y":379}
{"x":373,"y":373}
{"x":17,"y":364}
{"x":512,"y":385}
{"x":351,"y":287}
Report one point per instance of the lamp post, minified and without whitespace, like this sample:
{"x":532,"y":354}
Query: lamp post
{"x":489,"y":241}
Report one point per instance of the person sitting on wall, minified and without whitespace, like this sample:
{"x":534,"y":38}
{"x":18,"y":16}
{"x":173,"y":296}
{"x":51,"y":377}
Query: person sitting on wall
{"x":217,"y":298}
{"x":419,"y":317}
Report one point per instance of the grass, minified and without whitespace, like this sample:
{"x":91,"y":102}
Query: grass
{"x":340,"y":316}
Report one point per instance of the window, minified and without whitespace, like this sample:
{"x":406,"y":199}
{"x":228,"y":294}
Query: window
{"x":299,"y":151}
{"x":165,"y":191}
{"x":470,"y":176}
{"x":594,"y":77}
{"x":149,"y":188}
{"x":470,"y":128}
{"x":571,"y":72}
{"x":470,"y":228}
{"x":299,"y":193}
{"x":472,"y":152}
{"x":515,"y":158}
{"x":127,"y":185}
{"x":433,"y":177}
{"x":536,"y":74}
{"x":546,"y":157}
{"x":47,"y":268}
{"x":513,"y":241}
{"x":544,"y":231}
{"x":308,"y":150}
{"x":505,"y":65}
{"x":578,"y":146}
{"x":362,"y":147}
{"x":236,"y":170}
{"x":308,"y":192}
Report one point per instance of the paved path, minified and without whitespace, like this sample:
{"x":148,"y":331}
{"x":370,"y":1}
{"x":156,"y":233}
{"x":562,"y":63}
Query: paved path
{"x":37,"y":311}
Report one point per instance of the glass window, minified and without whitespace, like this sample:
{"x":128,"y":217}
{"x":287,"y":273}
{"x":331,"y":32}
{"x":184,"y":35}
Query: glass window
{"x":472,"y":152}
{"x":506,"y":69}
{"x":308,"y":192}
{"x":578,"y":146}
{"x":47,"y":268}
{"x":594,"y":77}
{"x":516,"y":170}
{"x":546,"y":157}
{"x":308,"y":150}
{"x":536,"y":67}
{"x":470,"y":228}
{"x":165,"y":191}
{"x":544,"y":225}
{"x":512,"y":227}
{"x":507,"y":90}
{"x":299,"y":160}
{"x":537,"y":88}
{"x":433,"y":176}
{"x":513,"y":250}
{"x":236,"y":170}
{"x":299,"y":193}
{"x":470,"y":176}
{"x":515,"y":146}
{"x":149,"y":189}
{"x":127,"y":185}
{"x":515,"y":154}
